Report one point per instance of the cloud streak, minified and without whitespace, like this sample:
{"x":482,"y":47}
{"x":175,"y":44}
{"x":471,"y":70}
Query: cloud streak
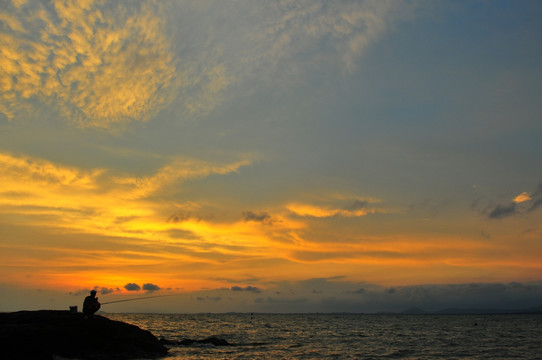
{"x":335,"y":208}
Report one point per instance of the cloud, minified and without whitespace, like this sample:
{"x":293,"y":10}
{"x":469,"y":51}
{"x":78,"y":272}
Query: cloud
{"x":180,"y":216}
{"x":356,"y":205}
{"x":132,"y":287}
{"x":70,"y":189}
{"x":536,"y":198}
{"x":341,"y":295}
{"x":338,"y":32}
{"x":105,"y":291}
{"x":100,"y":63}
{"x":334,"y":208}
{"x":150,"y":287}
{"x":101,"y":290}
{"x":242,"y":45}
{"x":251,"y":289}
{"x":522,"y":203}
{"x":177,"y":170}
{"x":524,"y":196}
{"x":256,"y":216}
{"x":105,"y":64}
{"x":358,"y":291}
{"x":501,"y":211}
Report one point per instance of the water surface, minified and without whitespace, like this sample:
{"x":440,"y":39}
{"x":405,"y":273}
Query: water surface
{"x":347,"y":336}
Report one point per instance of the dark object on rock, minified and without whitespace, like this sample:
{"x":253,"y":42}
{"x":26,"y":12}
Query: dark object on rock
{"x":189,"y":342}
{"x":45,"y":334}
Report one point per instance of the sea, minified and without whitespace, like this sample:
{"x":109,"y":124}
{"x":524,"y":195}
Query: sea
{"x":347,"y":336}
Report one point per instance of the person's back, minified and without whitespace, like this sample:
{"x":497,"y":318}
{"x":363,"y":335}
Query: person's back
{"x":91,"y":304}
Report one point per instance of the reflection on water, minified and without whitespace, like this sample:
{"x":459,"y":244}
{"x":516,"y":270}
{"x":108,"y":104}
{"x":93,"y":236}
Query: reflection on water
{"x":348,"y":336}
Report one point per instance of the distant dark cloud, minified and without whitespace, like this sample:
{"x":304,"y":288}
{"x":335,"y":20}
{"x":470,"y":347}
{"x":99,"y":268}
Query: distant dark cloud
{"x":536,"y":204}
{"x":150,"y":287}
{"x":132,"y":287}
{"x":359,"y":291}
{"x":501,"y":211}
{"x":483,"y":296}
{"x":536,"y":198}
{"x":340,"y":295}
{"x":356,"y":205}
{"x":100,"y":290}
{"x":182,"y":234}
{"x":124,"y":219}
{"x":523,"y":203}
{"x":180,"y":217}
{"x":105,"y":291}
{"x":251,"y":289}
{"x":256,"y":216}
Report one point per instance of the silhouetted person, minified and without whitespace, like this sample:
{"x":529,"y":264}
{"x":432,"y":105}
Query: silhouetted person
{"x":91,"y":305}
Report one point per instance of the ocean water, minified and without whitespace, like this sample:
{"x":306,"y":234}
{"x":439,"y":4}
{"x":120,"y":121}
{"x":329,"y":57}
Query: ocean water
{"x":347,"y":336}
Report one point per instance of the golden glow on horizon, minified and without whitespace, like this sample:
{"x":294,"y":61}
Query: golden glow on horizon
{"x":132,"y":234}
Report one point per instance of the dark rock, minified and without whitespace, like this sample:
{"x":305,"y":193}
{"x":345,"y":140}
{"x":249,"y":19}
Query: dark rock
{"x":45,"y":334}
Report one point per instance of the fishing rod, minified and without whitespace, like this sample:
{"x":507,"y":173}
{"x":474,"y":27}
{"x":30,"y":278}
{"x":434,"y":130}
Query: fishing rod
{"x":140,"y":298}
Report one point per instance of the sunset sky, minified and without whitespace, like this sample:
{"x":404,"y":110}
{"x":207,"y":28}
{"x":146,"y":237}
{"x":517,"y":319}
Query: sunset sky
{"x":271,"y":156}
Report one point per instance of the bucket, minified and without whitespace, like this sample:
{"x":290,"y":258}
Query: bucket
{"x":73,"y":309}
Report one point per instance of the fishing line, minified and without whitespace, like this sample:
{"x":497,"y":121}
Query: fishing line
{"x":140,"y":298}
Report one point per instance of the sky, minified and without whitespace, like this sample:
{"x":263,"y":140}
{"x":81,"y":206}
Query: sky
{"x":271,"y":156}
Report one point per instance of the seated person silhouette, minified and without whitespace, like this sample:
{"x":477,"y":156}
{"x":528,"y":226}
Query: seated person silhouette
{"x":91,"y":305}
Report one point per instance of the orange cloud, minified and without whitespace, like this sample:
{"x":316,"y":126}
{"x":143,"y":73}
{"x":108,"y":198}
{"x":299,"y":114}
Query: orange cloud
{"x":114,"y":209}
{"x":354,"y":208}
{"x":65,"y":226}
{"x":524,"y":196}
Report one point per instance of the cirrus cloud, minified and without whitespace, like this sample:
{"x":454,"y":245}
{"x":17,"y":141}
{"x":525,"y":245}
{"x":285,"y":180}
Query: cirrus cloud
{"x":101,"y":63}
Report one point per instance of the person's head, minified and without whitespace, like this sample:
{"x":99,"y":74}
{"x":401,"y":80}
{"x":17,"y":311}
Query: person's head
{"x":93,"y":293}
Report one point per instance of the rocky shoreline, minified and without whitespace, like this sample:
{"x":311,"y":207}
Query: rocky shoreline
{"x":50,"y":334}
